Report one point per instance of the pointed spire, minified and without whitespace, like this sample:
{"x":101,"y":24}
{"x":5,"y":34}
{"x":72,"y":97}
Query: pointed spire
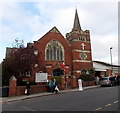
{"x":76,"y":25}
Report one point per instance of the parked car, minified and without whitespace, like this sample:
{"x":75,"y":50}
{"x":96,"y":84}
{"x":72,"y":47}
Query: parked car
{"x":108,"y":81}
{"x":118,"y":80}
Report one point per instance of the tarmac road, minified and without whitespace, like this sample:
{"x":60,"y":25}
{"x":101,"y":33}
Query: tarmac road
{"x":97,"y":99}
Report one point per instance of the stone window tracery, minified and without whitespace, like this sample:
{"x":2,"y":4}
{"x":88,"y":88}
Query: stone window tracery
{"x":54,"y":50}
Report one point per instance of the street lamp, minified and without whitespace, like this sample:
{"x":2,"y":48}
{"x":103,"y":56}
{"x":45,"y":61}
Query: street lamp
{"x":111,"y":56}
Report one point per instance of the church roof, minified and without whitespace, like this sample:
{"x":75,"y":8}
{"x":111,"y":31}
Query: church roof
{"x":76,"y":25}
{"x":53,"y":30}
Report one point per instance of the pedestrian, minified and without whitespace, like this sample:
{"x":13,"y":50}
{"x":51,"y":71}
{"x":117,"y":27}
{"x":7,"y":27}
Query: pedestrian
{"x":97,"y":80}
{"x":51,"y":86}
{"x":27,"y":90}
{"x":47,"y":84}
{"x":55,"y":87}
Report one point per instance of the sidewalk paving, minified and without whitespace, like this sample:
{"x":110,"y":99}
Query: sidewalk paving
{"x":23,"y":97}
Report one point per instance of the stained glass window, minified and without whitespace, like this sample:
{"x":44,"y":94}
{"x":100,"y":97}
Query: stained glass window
{"x":54,"y":50}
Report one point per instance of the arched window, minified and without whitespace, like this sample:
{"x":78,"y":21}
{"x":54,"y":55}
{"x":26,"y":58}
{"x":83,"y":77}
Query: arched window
{"x":82,"y":38}
{"x":54,"y":51}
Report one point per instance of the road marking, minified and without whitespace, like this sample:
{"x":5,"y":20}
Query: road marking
{"x":98,"y":109}
{"x":115,"y":102}
{"x":108,"y":105}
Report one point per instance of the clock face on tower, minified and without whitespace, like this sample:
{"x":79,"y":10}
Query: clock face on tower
{"x":83,"y":56}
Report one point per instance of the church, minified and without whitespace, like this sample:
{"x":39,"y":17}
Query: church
{"x":59,"y":55}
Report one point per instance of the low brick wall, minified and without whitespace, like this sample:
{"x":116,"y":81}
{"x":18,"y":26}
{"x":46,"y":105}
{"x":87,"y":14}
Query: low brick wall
{"x":33,"y":89}
{"x":38,"y":88}
{"x":20,"y":90}
{"x":90,"y":83}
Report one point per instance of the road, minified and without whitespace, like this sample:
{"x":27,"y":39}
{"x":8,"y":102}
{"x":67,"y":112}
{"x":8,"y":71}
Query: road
{"x":97,"y":99}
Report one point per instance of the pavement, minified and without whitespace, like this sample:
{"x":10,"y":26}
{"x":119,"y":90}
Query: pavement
{"x":23,"y":97}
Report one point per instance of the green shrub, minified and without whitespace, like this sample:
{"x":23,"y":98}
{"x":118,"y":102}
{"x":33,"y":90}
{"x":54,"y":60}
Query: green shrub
{"x":58,"y":79}
{"x":87,"y":77}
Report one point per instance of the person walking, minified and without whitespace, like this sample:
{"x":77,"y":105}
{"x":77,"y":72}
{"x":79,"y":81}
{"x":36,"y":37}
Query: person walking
{"x":27,"y":90}
{"x":47,"y":84}
{"x":97,"y":80}
{"x":51,"y":86}
{"x":55,"y":87}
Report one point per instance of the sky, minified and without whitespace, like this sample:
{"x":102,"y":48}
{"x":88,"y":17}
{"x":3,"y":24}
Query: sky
{"x":30,"y":20}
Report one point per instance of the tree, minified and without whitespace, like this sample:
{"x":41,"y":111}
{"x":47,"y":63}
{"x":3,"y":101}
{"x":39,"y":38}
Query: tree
{"x":88,"y":76}
{"x":20,"y":63}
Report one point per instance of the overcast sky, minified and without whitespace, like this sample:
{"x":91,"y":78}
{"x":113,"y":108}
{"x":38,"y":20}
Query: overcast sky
{"x":31,"y":20}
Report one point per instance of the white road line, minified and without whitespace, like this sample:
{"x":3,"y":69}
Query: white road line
{"x":98,"y":109}
{"x":115,"y":102}
{"x":108,"y":105}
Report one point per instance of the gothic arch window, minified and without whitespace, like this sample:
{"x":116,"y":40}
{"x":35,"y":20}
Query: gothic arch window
{"x":54,"y":51}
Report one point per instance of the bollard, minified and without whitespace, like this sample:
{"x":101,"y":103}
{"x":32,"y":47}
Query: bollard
{"x":80,"y":85}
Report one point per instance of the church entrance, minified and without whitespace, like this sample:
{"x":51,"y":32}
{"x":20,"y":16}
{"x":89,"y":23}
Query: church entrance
{"x":58,"y":72}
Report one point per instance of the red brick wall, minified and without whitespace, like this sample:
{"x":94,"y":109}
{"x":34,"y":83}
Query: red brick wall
{"x":41,"y":44}
{"x":82,"y":65}
{"x":76,"y":55}
{"x":77,"y":45}
{"x":33,"y":89}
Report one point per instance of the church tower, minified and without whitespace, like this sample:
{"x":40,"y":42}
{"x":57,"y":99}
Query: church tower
{"x":80,"y":48}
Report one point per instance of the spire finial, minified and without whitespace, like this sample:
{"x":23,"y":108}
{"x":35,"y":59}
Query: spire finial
{"x":76,"y":25}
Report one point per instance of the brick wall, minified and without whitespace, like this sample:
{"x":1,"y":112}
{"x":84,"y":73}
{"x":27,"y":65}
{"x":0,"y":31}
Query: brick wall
{"x":33,"y":89}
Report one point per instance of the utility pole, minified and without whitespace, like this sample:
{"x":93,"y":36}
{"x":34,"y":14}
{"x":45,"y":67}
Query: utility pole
{"x":111,"y":57}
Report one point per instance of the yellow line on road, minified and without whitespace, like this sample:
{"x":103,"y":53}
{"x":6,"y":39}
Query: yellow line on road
{"x":98,"y":109}
{"x":108,"y":105}
{"x":115,"y":102}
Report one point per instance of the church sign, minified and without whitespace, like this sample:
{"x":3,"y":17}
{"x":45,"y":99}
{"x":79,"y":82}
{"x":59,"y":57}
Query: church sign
{"x":41,"y":77}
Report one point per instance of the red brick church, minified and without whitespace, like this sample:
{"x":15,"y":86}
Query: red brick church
{"x":58,"y":55}
{"x":70,"y":56}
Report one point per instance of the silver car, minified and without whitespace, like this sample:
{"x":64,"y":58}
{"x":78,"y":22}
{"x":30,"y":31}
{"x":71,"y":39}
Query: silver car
{"x":106,"y":81}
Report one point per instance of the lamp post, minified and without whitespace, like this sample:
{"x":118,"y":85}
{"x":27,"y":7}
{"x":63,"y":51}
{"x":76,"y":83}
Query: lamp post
{"x":111,"y":56}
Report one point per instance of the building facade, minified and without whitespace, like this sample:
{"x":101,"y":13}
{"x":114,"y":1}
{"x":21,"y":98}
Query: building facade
{"x":70,"y":56}
{"x":105,"y":69}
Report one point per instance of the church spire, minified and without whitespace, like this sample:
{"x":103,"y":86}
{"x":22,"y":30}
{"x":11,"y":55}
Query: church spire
{"x":76,"y":25}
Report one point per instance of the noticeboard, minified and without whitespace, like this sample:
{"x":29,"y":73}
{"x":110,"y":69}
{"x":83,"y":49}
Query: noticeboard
{"x":41,"y":77}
